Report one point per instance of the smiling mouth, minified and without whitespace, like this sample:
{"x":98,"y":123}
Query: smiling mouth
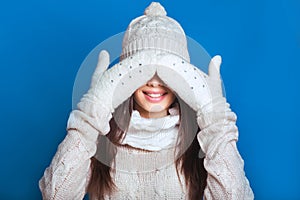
{"x":155,"y":95}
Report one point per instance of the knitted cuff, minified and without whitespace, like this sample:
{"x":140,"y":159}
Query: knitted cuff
{"x":96,"y":114}
{"x":79,"y":127}
{"x":217,"y":126}
{"x":214,"y":138}
{"x":213,"y":112}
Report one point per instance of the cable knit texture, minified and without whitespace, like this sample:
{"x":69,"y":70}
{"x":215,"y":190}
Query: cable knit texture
{"x":155,"y":30}
{"x":144,"y":174}
{"x":225,"y":167}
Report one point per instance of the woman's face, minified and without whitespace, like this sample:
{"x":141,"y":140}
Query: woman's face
{"x":153,"y":99}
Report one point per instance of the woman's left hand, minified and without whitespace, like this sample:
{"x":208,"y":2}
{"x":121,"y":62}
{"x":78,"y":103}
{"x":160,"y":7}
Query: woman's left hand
{"x":215,"y":101}
{"x":203,"y":93}
{"x":193,"y":86}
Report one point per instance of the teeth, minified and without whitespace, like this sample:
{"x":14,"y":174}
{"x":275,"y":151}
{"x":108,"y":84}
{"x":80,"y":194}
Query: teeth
{"x":154,"y":95}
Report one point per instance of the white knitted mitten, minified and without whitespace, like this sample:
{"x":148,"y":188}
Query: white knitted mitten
{"x":201,"y":92}
{"x":110,"y":87}
{"x":215,"y":118}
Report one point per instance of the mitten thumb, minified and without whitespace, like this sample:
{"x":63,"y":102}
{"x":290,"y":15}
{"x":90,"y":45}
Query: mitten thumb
{"x":214,"y":67}
{"x":102,"y":65}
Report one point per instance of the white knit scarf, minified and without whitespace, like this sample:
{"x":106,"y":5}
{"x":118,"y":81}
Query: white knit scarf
{"x":153,"y":134}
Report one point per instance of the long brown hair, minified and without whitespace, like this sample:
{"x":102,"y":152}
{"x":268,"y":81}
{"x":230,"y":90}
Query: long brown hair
{"x":187,"y":163}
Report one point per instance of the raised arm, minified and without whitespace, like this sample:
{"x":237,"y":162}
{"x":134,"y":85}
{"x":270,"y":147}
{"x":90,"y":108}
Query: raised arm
{"x":67,"y":177}
{"x":218,"y":136}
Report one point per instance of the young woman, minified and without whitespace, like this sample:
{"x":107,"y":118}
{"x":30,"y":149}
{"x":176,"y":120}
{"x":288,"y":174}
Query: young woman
{"x":151,"y":127}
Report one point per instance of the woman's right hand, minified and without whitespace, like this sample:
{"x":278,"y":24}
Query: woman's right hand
{"x":111,"y":87}
{"x":91,"y":104}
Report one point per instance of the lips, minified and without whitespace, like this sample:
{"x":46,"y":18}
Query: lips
{"x":154,"y":96}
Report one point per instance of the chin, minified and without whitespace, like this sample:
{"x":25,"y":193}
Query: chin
{"x":156,"y":108}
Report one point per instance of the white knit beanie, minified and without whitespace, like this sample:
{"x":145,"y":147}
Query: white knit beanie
{"x":154,"y":30}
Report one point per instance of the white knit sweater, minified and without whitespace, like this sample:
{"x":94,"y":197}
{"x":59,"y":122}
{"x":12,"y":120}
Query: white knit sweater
{"x":140,"y":174}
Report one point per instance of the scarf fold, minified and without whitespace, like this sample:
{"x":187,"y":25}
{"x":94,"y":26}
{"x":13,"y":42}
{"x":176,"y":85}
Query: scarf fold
{"x":153,"y":134}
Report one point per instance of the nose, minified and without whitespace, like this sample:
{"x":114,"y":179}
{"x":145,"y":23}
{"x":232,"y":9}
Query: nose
{"x":154,"y":82}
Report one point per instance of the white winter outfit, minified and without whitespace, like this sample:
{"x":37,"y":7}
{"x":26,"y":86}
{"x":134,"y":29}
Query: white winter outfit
{"x":153,"y":44}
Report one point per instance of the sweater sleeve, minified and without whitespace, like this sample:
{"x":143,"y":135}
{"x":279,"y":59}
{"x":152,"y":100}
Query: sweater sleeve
{"x":224,"y":165}
{"x":67,"y":177}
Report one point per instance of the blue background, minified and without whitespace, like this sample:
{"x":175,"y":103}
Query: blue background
{"x":43,"y":43}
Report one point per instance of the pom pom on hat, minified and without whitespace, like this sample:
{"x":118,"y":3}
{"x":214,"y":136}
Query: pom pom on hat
{"x":155,"y":9}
